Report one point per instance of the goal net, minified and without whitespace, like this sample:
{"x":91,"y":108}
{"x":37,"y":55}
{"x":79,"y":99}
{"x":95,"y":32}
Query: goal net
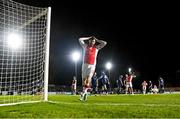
{"x":24,"y":53}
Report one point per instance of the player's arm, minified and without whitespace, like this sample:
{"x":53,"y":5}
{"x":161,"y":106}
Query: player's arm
{"x":133,"y":74}
{"x":82,"y":39}
{"x":101,"y":43}
{"x":100,"y":77}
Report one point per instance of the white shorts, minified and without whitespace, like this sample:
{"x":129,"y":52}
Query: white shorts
{"x":87,"y":70}
{"x":144,"y":87}
{"x":129,"y":84}
{"x":73,"y":86}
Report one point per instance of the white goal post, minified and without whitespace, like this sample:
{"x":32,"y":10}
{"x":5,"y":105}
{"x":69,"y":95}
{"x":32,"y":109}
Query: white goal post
{"x":24,"y":52}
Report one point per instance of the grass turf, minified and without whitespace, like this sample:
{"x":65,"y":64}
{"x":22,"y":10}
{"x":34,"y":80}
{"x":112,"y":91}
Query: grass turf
{"x":110,"y":106}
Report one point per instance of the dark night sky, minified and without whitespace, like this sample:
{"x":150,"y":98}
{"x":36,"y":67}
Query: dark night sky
{"x":141,"y":36}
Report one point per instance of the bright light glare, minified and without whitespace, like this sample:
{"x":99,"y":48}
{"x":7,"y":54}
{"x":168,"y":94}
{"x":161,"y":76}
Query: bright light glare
{"x":108,"y":66}
{"x":14,"y":41}
{"x":76,"y":56}
{"x":129,"y":69}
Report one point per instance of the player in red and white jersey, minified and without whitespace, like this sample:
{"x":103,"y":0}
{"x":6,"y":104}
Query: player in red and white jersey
{"x":144,"y":86}
{"x":129,"y":85}
{"x":90,"y":51}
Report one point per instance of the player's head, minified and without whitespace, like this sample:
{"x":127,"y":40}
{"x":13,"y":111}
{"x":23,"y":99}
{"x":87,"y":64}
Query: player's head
{"x":74,"y":77}
{"x":103,"y":73}
{"x":130,"y":72}
{"x":92,"y":41}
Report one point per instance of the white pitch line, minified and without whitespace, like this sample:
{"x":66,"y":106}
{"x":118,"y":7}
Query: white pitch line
{"x":116,"y":104}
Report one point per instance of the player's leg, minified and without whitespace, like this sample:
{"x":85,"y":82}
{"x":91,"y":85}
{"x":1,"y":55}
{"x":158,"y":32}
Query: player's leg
{"x":120,"y":90}
{"x":83,"y":86}
{"x":131,"y":88}
{"x":84,"y":73}
{"x":127,"y":87}
{"x":90,"y":73}
{"x":88,"y":82}
{"x":143,"y":89}
{"x":106,"y":90}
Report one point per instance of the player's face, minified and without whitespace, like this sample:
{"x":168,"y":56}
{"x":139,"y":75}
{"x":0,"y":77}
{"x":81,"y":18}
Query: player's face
{"x":92,"y":42}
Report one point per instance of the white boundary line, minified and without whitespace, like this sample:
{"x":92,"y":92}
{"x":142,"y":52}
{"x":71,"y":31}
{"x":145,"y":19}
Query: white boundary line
{"x":10,"y":104}
{"x":116,"y":104}
{"x":98,"y":104}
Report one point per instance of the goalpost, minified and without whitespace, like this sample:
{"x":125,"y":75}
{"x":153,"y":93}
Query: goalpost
{"x":24,"y":53}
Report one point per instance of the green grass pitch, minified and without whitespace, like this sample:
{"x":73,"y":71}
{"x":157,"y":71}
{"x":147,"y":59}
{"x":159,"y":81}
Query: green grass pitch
{"x":104,"y":106}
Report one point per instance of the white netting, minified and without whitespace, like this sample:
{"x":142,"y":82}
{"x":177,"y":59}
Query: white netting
{"x":22,"y":52}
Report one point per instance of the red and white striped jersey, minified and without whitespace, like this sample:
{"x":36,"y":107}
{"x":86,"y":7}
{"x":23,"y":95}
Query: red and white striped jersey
{"x":130,"y":77}
{"x":90,"y":52}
